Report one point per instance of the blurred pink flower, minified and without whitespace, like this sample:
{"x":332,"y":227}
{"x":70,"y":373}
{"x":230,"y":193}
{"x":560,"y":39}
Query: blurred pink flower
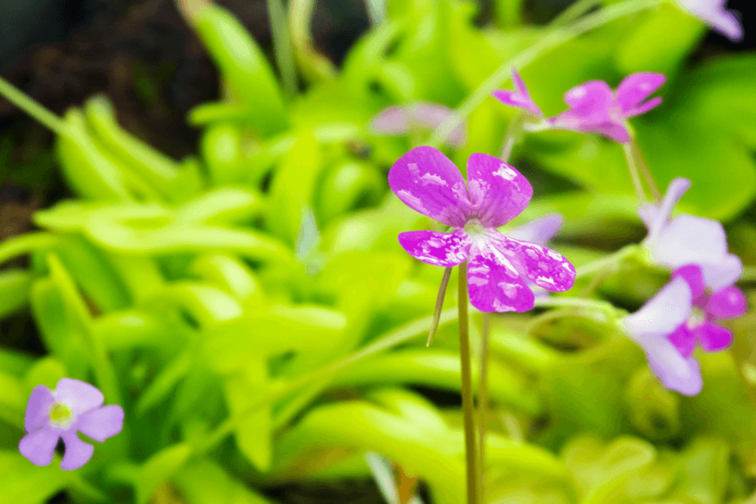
{"x":401,"y":119}
{"x":714,"y":14}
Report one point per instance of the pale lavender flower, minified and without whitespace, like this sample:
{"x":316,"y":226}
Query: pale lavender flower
{"x":595,"y":108}
{"x":75,"y":406}
{"x":399,"y":120}
{"x":499,"y":266}
{"x":520,"y":98}
{"x":714,"y":14}
{"x":651,"y":327}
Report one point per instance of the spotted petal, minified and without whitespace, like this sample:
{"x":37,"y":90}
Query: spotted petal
{"x":426,"y":181}
{"x":438,"y":249}
{"x":498,"y":192}
{"x":78,"y":395}
{"x":540,"y":265}
{"x":38,"y":408}
{"x":495,"y":285}
{"x":39,"y":446}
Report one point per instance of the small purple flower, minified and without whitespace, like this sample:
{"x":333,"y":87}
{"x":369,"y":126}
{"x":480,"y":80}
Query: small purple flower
{"x":74,"y":406}
{"x":595,"y":108}
{"x":708,"y":308}
{"x":651,"y":327}
{"x":499,"y":266}
{"x":539,"y":231}
{"x":687,"y":239}
{"x":520,"y":98}
{"x":714,"y":14}
{"x":401,"y":119}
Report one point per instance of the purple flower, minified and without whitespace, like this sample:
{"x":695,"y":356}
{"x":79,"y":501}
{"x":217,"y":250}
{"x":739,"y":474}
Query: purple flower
{"x":499,"y":266}
{"x":714,"y":14}
{"x":401,"y":119}
{"x":74,"y":406}
{"x":708,"y":308}
{"x":595,"y":108}
{"x":687,"y":239}
{"x":539,"y":231}
{"x":520,"y":98}
{"x":651,"y":327}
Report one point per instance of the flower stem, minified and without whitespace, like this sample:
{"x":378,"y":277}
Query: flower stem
{"x":555,"y":37}
{"x":574,"y":11}
{"x":510,"y":138}
{"x":483,"y":405}
{"x":605,"y":263}
{"x":439,"y":305}
{"x":467,"y":395}
{"x":634,"y":175}
{"x":31,"y":107}
{"x":570,"y":302}
{"x":638,"y":156}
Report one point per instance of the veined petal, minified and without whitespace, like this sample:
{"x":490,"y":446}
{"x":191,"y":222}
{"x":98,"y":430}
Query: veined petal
{"x":426,"y":181}
{"x":542,"y":266}
{"x":102,"y":423}
{"x":77,"y":452}
{"x":689,"y":240}
{"x":438,"y":249}
{"x":539,"y":231}
{"x":39,"y":446}
{"x":713,"y":337}
{"x":693,"y":275}
{"x":727,"y":303}
{"x":78,"y":395}
{"x":637,"y":87}
{"x":495,"y":285}
{"x":662,"y":314}
{"x":38,"y":408}
{"x":724,"y":273}
{"x":498,"y":192}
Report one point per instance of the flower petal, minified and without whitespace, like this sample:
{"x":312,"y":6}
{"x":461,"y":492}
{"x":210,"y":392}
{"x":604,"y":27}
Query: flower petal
{"x":713,"y":337}
{"x":714,"y":14}
{"x":726,"y":303}
{"x":673,"y":370}
{"x":539,"y":231}
{"x":684,"y":340}
{"x":642,"y":109}
{"x":614,"y":130}
{"x":494,"y":284}
{"x":656,"y":217}
{"x":432,"y":115}
{"x":590,"y":99}
{"x":662,"y":314}
{"x":438,"y":249}
{"x":39,"y":446}
{"x":693,"y":275}
{"x":77,"y":453}
{"x":519,"y":83}
{"x":637,"y":87}
{"x":391,"y":121}
{"x":542,"y":266}
{"x":426,"y":181}
{"x":498,"y":192}
{"x":689,"y":240}
{"x":102,"y":423}
{"x":724,"y":273}
{"x":78,"y":395}
{"x":38,"y":408}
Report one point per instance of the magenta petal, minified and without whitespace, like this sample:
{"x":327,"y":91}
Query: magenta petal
{"x":39,"y":446}
{"x":684,"y":340}
{"x":662,"y":314}
{"x":498,"y":193}
{"x":77,"y":452}
{"x":689,"y":240}
{"x":693,"y":275}
{"x":713,"y":337}
{"x":426,"y":181}
{"x":674,"y":371}
{"x":78,"y":395}
{"x":514,"y":99}
{"x":614,"y":130}
{"x":38,"y":408}
{"x":438,"y":249}
{"x":642,"y":109}
{"x":590,"y":99}
{"x":539,"y":231}
{"x":729,"y":302}
{"x":495,"y":286}
{"x":724,"y":273}
{"x":540,"y":265}
{"x":391,"y":121}
{"x":519,"y":83}
{"x":637,"y":87}
{"x":102,"y":423}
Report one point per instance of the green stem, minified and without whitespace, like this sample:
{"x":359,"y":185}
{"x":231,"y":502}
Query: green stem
{"x":574,"y":11}
{"x":650,"y":182}
{"x":279,"y":23}
{"x":31,"y":107}
{"x":483,"y":404}
{"x":439,"y":305}
{"x":510,"y":138}
{"x":570,"y":302}
{"x":553,"y":38}
{"x":634,"y":175}
{"x":609,"y":262}
{"x":467,"y":394}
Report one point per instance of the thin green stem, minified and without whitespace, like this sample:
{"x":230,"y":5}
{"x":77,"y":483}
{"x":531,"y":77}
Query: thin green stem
{"x":574,"y":11}
{"x":555,"y":37}
{"x":467,"y":393}
{"x":279,"y":24}
{"x":510,"y":138}
{"x":483,"y":404}
{"x":609,"y":262}
{"x":641,"y":163}
{"x":439,"y":305}
{"x":570,"y":302}
{"x":31,"y":107}
{"x":634,"y":175}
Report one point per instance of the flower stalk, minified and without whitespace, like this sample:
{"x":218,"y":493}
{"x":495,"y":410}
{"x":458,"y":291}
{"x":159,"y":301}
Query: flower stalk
{"x":467,"y":394}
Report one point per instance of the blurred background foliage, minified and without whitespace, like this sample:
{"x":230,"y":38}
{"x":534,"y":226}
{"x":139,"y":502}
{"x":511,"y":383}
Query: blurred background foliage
{"x":210,"y":239}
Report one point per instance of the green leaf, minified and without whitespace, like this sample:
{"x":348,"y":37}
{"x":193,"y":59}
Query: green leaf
{"x":24,"y":483}
{"x":705,"y":467}
{"x":12,"y":400}
{"x":206,"y":482}
{"x":159,"y":468}
{"x":14,"y":291}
